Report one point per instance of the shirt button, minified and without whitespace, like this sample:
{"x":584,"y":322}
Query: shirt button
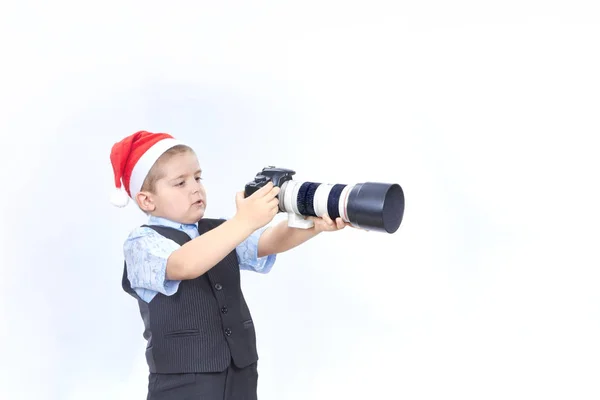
{"x":224,"y":310}
{"x":228,"y":332}
{"x":218,"y":286}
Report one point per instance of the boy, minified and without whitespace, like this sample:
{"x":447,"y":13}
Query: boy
{"x":184,"y":269}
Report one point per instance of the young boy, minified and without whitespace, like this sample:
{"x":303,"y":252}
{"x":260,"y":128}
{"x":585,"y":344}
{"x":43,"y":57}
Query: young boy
{"x":184,"y":269}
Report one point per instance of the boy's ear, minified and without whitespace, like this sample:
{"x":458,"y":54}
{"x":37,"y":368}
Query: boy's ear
{"x":145,"y":201}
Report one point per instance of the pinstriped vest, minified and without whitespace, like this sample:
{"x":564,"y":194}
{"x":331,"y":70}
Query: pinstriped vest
{"x":203,"y":326}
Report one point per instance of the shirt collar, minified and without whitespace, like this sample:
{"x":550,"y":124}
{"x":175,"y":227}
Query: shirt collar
{"x":172,"y":224}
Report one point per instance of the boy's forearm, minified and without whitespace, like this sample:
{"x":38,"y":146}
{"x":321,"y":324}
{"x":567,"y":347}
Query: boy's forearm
{"x":281,"y":237}
{"x":199,"y":255}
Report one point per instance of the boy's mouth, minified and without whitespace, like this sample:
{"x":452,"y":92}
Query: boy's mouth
{"x":198,"y":203}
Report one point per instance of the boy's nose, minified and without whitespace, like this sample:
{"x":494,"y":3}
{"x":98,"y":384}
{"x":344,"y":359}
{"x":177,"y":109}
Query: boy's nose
{"x":196,"y":188}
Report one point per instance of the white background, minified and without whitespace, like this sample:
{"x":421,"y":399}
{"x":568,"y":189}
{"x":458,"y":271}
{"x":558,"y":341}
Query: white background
{"x":485,"y":112}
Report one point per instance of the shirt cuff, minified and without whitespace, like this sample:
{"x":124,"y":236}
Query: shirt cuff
{"x":247,"y":253}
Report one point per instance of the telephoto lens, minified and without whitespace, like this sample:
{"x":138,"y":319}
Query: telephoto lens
{"x":371,"y":206}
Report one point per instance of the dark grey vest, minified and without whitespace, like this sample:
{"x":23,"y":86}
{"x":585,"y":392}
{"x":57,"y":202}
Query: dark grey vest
{"x":203,"y":326}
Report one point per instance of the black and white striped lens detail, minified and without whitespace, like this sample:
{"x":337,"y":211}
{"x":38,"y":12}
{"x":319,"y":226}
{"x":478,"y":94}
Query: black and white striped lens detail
{"x":370,"y":205}
{"x":315,"y":199}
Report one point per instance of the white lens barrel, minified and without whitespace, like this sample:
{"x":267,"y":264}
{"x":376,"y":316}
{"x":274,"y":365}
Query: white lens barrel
{"x":320,"y":200}
{"x":343,"y":203}
{"x":285,"y":196}
{"x":295,"y":189}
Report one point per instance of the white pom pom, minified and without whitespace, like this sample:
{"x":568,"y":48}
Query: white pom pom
{"x":119,"y":198}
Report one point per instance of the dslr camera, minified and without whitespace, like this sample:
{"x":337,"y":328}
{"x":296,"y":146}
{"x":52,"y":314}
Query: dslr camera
{"x":371,"y":205}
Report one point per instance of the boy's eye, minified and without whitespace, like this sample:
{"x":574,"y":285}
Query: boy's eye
{"x":180,"y":183}
{"x":198,"y":178}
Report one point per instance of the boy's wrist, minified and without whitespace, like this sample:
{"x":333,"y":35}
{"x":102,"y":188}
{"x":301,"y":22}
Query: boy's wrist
{"x":242,"y":226}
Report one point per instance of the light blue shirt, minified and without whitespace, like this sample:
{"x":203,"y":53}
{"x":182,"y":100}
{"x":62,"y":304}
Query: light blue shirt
{"x":146,"y":253}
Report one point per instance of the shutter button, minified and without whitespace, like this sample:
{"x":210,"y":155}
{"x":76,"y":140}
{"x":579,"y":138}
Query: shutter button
{"x":218,"y":286}
{"x":228,"y":332}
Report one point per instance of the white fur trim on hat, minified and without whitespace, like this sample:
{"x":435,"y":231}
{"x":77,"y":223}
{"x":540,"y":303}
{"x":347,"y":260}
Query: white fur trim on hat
{"x":119,"y":198}
{"x":145,"y":163}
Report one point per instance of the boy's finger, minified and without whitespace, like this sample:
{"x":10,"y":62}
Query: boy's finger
{"x":327,"y":219}
{"x":268,"y":187}
{"x":270,"y":196}
{"x":275,"y":191}
{"x":239,"y":196}
{"x":264,"y":190}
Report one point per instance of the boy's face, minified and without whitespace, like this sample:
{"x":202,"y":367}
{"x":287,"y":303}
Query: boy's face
{"x":179,"y":195}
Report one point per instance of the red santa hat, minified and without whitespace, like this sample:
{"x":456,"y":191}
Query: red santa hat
{"x":132,"y":159}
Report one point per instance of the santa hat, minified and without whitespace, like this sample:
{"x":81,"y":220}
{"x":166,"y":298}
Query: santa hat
{"x":132,"y":159}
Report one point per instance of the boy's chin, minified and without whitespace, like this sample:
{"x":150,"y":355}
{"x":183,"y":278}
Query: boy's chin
{"x":197,"y":216}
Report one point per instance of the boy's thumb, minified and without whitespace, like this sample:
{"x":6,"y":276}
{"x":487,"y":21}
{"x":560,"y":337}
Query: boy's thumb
{"x":239,"y":196}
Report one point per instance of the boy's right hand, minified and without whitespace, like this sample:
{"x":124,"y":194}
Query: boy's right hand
{"x":258,"y":209}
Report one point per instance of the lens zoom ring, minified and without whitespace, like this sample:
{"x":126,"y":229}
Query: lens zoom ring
{"x":310,"y":197}
{"x":333,"y":201}
{"x":301,"y":199}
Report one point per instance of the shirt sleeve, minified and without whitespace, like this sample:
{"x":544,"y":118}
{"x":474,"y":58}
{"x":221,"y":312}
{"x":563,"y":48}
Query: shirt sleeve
{"x":146,"y":253}
{"x":247,"y":253}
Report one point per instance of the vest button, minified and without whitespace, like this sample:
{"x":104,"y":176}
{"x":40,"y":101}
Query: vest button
{"x":224,"y":310}
{"x":228,"y":332}
{"x":218,"y":286}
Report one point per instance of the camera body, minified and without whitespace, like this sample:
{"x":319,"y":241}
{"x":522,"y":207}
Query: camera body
{"x":269,"y":174}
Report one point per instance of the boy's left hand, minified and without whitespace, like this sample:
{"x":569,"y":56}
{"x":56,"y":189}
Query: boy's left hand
{"x":326,"y":224}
